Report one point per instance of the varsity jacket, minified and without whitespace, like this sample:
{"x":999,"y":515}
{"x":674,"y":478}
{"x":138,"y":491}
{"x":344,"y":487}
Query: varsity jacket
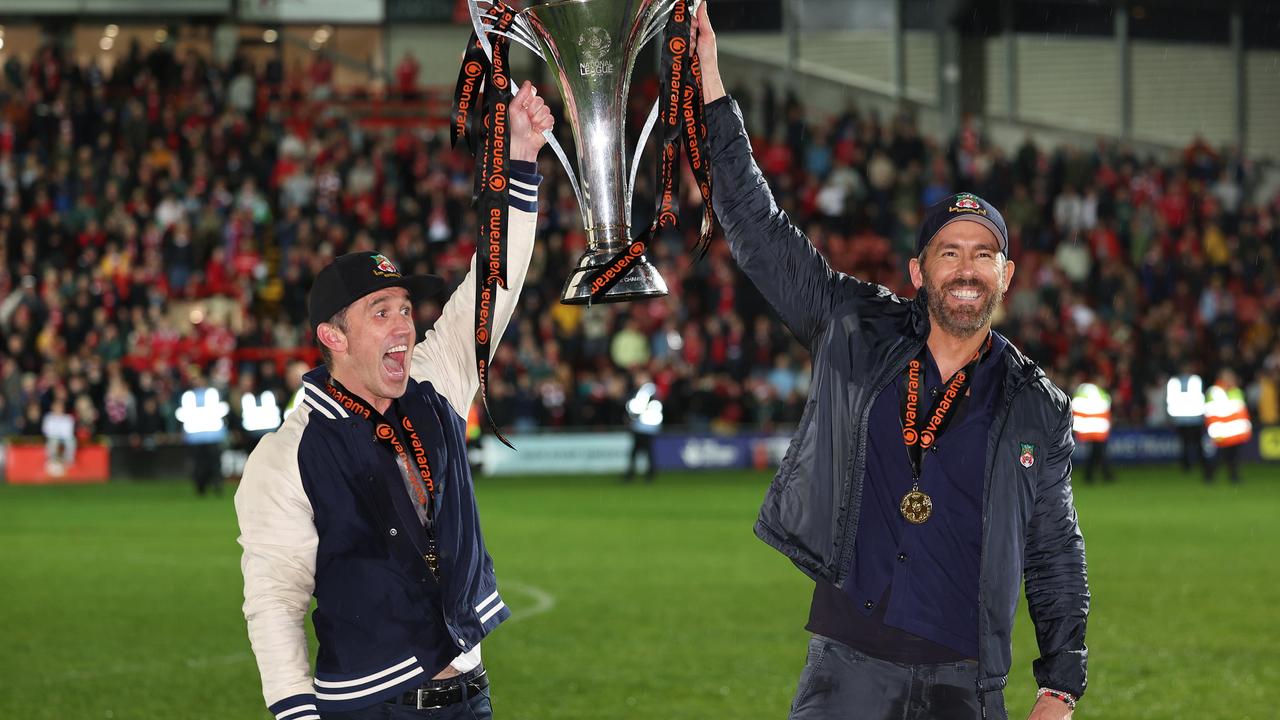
{"x":324,"y":513}
{"x":861,"y":337}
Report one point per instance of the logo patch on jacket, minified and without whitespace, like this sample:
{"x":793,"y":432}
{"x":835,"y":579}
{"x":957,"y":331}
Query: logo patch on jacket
{"x":1028,"y":456}
{"x":384,"y":267}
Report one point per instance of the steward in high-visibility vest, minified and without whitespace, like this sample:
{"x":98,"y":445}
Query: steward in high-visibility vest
{"x":1184,"y":401}
{"x":1091,"y":422}
{"x":1227,"y":418}
{"x":1091,"y":413}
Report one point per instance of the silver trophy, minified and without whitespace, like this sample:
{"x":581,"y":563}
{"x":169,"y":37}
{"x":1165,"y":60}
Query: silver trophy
{"x":591,"y":47}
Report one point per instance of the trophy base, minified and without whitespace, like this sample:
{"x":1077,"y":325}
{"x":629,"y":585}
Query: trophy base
{"x":643,"y":281}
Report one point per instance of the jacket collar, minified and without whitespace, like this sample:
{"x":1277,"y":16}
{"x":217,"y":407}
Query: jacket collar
{"x":1021,"y":369}
{"x":330,"y":401}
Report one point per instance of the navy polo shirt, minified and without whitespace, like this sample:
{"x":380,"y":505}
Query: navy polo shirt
{"x":912,"y":592}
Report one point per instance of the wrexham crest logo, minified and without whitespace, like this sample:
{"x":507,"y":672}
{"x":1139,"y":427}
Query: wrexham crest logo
{"x":383,"y":266}
{"x":967,"y":202}
{"x":1027,"y":455}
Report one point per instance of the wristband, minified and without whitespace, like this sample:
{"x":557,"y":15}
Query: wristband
{"x":1067,"y":698}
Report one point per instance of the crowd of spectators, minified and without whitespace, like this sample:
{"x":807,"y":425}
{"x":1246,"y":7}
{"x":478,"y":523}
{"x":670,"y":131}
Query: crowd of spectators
{"x":160,"y":225}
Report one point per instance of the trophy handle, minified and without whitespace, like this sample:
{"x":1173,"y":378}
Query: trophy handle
{"x":655,"y":27}
{"x":635,"y":157}
{"x":523,"y":34}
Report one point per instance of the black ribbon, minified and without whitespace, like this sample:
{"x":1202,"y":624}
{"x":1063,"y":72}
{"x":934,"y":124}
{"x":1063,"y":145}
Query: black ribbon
{"x":699,"y":152}
{"x":921,"y":432}
{"x":388,"y":433}
{"x":485,"y":82}
{"x":681,"y":118}
{"x":467,"y":93}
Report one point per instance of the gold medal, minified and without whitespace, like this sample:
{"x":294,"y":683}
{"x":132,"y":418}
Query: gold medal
{"x":916,"y":507}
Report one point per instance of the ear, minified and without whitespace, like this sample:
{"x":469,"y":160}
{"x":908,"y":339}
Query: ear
{"x":332,"y":337}
{"x":1008,"y":273}
{"x":917,"y":273}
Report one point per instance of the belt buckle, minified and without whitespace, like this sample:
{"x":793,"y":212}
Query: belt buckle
{"x":423,"y":695}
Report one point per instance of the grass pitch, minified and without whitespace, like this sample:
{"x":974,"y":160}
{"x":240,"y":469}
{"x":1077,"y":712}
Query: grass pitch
{"x":632,"y":602}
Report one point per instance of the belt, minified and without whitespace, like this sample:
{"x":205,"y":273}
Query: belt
{"x":431,"y":698}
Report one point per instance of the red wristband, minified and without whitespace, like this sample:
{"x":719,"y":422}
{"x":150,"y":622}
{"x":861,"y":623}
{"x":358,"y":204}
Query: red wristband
{"x":1067,"y":698}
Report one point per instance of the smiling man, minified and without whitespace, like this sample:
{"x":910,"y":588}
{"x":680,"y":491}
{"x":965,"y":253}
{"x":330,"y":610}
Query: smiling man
{"x":363,"y":499}
{"x":930,"y":475}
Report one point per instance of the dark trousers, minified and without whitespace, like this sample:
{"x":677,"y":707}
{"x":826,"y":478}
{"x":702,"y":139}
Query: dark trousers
{"x":840,"y":683}
{"x":476,"y":707}
{"x":1192,"y":447}
{"x":641,"y":443}
{"x":1098,"y":462}
{"x":1230,"y":456}
{"x":206,"y":469}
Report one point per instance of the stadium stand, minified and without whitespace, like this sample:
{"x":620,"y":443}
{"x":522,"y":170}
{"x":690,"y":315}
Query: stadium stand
{"x":164,"y":220}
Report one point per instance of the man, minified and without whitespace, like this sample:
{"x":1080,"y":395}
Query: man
{"x":1091,"y":422}
{"x":59,"y":428}
{"x":364,"y":500}
{"x":644,"y":414}
{"x":1226,"y":418}
{"x":204,"y":418}
{"x":930,"y":474}
{"x":1184,"y":400}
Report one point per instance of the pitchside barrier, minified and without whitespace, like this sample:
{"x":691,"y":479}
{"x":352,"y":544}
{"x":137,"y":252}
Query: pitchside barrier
{"x":608,"y":453}
{"x":22,"y":461}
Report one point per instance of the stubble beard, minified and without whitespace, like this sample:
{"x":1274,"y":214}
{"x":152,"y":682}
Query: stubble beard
{"x":962,"y":323}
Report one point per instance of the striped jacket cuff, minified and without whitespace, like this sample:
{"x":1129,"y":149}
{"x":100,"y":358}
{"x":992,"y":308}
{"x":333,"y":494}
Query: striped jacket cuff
{"x":524,"y":185}
{"x":297,"y":707}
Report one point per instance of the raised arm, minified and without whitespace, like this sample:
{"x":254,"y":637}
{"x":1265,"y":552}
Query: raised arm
{"x":776,"y":255}
{"x":446,"y":356}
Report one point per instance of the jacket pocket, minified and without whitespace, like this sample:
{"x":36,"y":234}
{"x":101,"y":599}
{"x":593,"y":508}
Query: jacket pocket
{"x":791,"y":459}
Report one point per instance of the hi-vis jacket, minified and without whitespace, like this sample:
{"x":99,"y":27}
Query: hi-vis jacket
{"x":1091,"y":413}
{"x":323,"y":512}
{"x":1227,"y":417}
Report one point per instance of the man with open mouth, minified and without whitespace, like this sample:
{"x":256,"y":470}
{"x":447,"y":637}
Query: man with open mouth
{"x":363,"y":499}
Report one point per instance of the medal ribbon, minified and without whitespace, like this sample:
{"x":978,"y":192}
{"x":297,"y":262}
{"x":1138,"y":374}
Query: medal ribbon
{"x":423,"y":482}
{"x":919,"y":439}
{"x":681,"y":117}
{"x":492,"y":179}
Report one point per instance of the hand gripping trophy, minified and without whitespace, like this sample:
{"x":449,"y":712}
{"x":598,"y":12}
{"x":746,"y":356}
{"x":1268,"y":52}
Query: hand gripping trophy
{"x":591,"y":47}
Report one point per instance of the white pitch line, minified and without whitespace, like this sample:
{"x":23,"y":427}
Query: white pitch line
{"x":543,"y":601}
{"x":201,"y":661}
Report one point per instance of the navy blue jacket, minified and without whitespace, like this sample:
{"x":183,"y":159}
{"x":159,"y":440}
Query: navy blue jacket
{"x":324,"y":513}
{"x":378,"y":605}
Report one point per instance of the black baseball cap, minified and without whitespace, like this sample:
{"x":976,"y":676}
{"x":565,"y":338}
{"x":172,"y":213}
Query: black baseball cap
{"x":354,"y":275}
{"x":962,"y":206}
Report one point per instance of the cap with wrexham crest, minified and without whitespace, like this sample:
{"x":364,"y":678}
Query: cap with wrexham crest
{"x":962,"y":206}
{"x":354,"y":275}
